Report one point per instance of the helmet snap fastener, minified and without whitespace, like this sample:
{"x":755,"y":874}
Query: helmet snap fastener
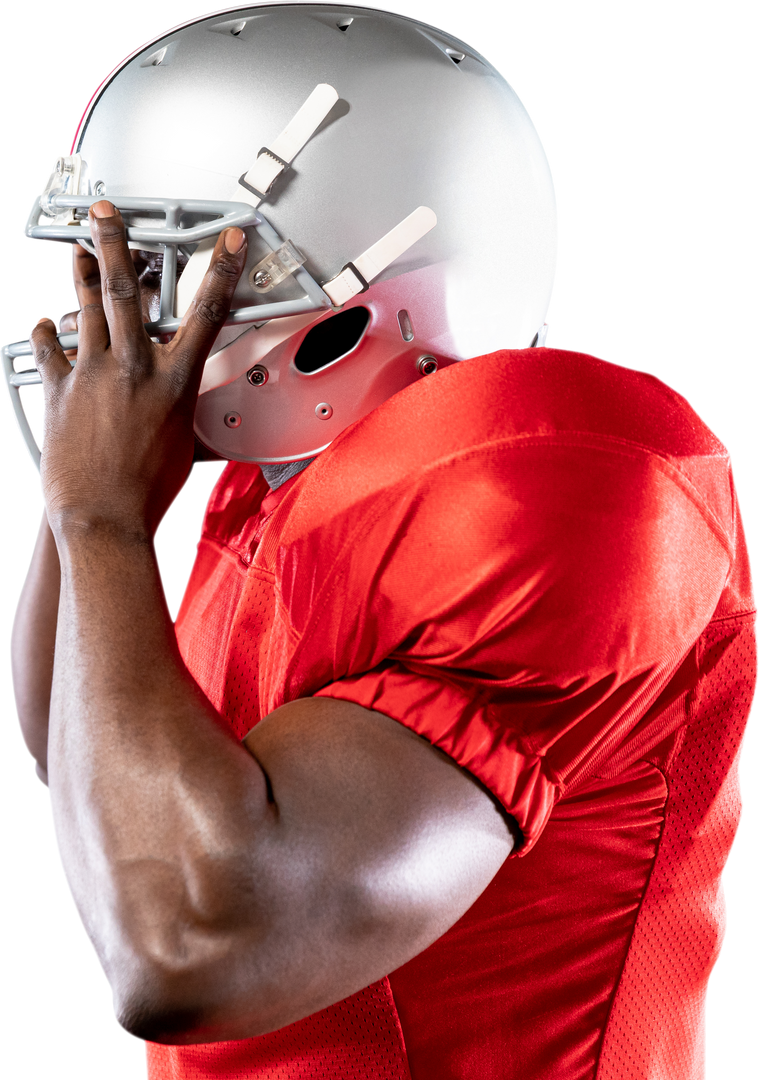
{"x":233,"y":419}
{"x":323,"y":410}
{"x":258,"y":375}
{"x":426,"y":365}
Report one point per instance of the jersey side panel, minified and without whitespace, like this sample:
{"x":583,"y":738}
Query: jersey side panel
{"x":655,"y":1027}
{"x":519,"y":989}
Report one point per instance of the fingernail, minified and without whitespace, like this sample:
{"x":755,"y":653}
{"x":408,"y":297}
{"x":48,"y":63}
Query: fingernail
{"x":233,"y":240}
{"x":103,"y":209}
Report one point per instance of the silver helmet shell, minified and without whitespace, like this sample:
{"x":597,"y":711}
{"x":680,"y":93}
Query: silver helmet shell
{"x":422,"y":119}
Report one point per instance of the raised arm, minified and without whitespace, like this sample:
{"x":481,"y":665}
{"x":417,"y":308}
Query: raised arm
{"x":229,"y":889}
{"x":31,"y":639}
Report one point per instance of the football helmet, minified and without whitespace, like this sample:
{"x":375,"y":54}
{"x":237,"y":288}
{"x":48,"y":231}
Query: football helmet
{"x":397,"y":201}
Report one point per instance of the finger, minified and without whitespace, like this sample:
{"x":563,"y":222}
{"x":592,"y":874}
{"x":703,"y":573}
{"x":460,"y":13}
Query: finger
{"x":67,"y":325}
{"x":119,"y":285}
{"x":49,"y":358}
{"x":93,"y":334}
{"x":212,"y":301}
{"x":86,"y":271}
{"x":87,"y":280}
{"x":89,"y":296}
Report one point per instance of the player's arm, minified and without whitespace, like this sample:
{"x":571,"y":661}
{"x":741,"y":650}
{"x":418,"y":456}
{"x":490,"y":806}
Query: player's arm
{"x":33,"y":637}
{"x":228,"y":889}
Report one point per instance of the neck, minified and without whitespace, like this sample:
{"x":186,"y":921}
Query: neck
{"x":277,"y":473}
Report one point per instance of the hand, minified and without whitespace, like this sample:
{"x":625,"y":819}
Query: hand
{"x":148,"y":266}
{"x":118,"y":427}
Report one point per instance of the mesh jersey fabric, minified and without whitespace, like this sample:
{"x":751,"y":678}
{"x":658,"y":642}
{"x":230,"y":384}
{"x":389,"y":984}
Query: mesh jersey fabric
{"x":535,"y":561}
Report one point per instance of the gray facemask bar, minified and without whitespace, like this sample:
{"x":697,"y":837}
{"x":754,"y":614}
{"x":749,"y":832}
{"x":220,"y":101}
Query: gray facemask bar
{"x":169,"y":236}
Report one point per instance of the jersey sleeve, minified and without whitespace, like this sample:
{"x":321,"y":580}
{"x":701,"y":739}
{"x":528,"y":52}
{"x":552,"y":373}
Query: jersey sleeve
{"x":520,"y":604}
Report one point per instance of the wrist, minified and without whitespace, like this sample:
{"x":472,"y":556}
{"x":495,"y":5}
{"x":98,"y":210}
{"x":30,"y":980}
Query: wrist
{"x":75,"y":529}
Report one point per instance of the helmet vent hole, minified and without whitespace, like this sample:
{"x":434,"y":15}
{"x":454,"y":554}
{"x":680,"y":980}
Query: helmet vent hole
{"x":343,"y":24}
{"x":232,"y":26}
{"x":404,"y":322}
{"x":155,"y":59}
{"x":455,"y":55}
{"x":331,"y":339}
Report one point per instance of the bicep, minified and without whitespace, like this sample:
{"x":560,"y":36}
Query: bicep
{"x":359,"y":845}
{"x":375,"y":845}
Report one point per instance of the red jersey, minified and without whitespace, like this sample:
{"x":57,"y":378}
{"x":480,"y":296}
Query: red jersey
{"x":535,"y":561}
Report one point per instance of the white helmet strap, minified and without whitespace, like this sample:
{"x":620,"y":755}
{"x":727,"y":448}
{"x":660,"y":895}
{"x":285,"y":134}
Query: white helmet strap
{"x":355,"y":277}
{"x":272,"y":162}
{"x":256,"y":183}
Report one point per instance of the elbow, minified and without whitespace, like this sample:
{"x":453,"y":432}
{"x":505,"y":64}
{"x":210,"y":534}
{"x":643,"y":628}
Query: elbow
{"x":201,"y":995}
{"x":160,"y":1021}
{"x":183,"y":958}
{"x":161,"y":1008}
{"x":151,"y":1020}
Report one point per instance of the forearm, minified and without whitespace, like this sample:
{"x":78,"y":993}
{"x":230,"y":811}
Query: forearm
{"x":156,"y":806}
{"x":33,"y":645}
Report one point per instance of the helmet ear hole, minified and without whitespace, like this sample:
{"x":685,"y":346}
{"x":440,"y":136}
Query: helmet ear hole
{"x":332,"y":338}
